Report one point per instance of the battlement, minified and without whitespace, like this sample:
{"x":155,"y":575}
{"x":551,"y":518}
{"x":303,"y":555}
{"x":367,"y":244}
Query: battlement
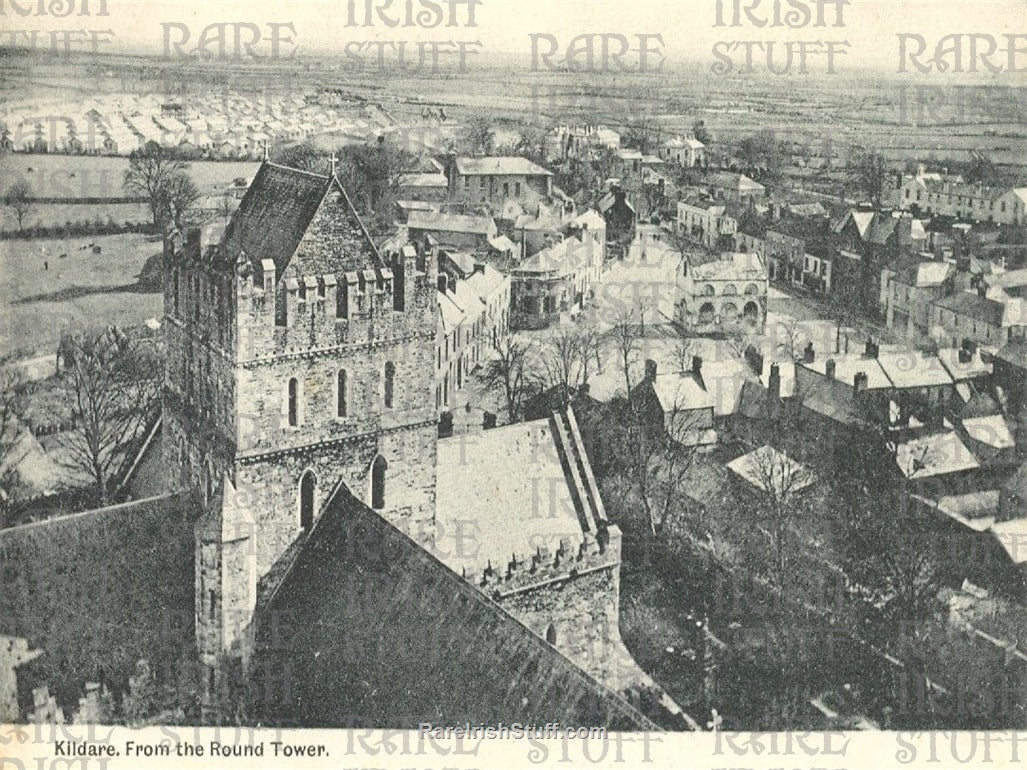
{"x":571,"y":558}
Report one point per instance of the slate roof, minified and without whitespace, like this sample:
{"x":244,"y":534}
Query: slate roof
{"x":503,"y":165}
{"x":733,"y":181}
{"x":972,"y":305}
{"x":99,"y":590}
{"x":510,"y":515}
{"x":275,"y":215}
{"x":449,"y":223}
{"x":375,"y":631}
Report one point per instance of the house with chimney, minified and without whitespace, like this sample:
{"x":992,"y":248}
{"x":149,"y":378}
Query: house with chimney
{"x":560,"y":278}
{"x":949,"y":195}
{"x":687,"y":152}
{"x":912,"y":286}
{"x":580,"y":140}
{"x":691,"y":405}
{"x":799,"y":251}
{"x":867,"y":241}
{"x":620,"y":217}
{"x":709,"y":222}
{"x":991,"y":319}
{"x":496,"y":180}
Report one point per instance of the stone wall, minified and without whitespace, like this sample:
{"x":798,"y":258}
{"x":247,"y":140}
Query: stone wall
{"x":370,"y":630}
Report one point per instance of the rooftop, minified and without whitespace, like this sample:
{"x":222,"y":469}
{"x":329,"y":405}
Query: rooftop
{"x":503,"y":165}
{"x":487,"y":513}
{"x":741,"y":266}
{"x":913,"y":369}
{"x":848,"y":365}
{"x":388,"y":636}
{"x":933,"y":455}
{"x":972,"y":305}
{"x":992,"y":430}
{"x":767,"y":468}
{"x":450,"y":223}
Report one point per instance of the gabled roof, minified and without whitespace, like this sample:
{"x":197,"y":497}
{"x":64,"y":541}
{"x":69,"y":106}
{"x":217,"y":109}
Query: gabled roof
{"x":375,"y":631}
{"x":769,"y":469}
{"x":276,"y":213}
{"x":991,"y":430}
{"x":912,"y":369}
{"x":732,"y":181}
{"x":680,"y":392}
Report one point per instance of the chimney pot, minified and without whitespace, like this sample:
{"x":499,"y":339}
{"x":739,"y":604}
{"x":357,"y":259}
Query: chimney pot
{"x":830,"y":368}
{"x":650,"y":369}
{"x":808,"y":354}
{"x":774,"y":381}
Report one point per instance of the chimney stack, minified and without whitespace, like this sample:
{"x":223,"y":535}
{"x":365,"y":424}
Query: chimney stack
{"x":774,"y":381}
{"x":697,"y":365}
{"x":830,"y":368}
{"x":871,"y":350}
{"x":859,"y":382}
{"x":650,"y":369}
{"x":443,"y":283}
{"x":808,"y":354}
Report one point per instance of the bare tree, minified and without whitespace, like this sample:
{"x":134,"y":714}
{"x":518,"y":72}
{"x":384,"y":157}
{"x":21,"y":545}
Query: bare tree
{"x":149,"y":173}
{"x":684,"y":350}
{"x":175,"y":196}
{"x":511,"y":372}
{"x":19,"y":199}
{"x":112,"y":387}
{"x":479,"y":136}
{"x":778,"y":480}
{"x":626,"y":337}
{"x":590,"y":343}
{"x":562,"y":362}
{"x":870,"y":174}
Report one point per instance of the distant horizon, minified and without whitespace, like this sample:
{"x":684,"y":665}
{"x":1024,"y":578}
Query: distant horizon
{"x":694,"y":33}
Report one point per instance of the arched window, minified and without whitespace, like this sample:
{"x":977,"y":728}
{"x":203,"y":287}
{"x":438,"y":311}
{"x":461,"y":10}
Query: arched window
{"x":341,"y":404}
{"x":308,"y":485}
{"x":378,"y":469}
{"x":390,"y":383}
{"x":708,"y":290}
{"x":752,"y":289}
{"x":729,"y":290}
{"x":551,"y":634}
{"x":294,"y":402}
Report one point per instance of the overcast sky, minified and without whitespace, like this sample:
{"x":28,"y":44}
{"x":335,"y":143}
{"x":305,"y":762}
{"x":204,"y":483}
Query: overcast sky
{"x":687,"y":26}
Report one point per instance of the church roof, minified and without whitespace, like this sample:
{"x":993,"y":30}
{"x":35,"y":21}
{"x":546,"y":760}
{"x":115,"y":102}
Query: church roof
{"x":277,"y":212}
{"x":372,"y":630}
{"x":98,"y":591}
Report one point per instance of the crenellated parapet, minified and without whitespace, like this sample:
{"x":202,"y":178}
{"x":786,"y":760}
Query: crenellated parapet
{"x":570,"y":558}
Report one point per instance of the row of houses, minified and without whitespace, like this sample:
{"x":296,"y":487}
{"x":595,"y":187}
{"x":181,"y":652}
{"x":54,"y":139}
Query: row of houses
{"x":943,"y":194}
{"x":474,"y":313}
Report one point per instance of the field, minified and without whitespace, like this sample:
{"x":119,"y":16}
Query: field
{"x":95,"y":176}
{"x":78,"y":290}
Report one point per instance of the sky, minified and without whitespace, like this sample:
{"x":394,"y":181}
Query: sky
{"x":688,"y":28}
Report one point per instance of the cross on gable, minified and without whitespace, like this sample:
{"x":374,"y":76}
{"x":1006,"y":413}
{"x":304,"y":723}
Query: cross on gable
{"x":332,"y":161}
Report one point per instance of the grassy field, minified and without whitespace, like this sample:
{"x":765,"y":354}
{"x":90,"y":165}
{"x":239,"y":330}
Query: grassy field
{"x":77,"y":290}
